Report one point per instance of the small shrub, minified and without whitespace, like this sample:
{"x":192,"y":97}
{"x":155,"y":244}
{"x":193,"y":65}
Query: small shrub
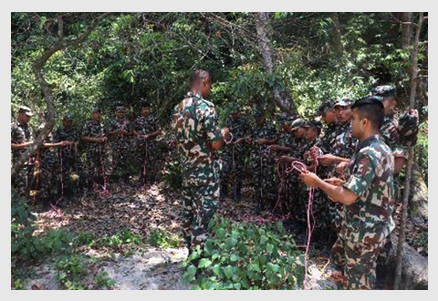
{"x":164,"y":239}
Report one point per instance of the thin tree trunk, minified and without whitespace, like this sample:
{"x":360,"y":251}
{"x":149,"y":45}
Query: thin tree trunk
{"x":402,"y":235}
{"x":282,"y":99}
{"x":337,"y":37}
{"x":37,"y":67}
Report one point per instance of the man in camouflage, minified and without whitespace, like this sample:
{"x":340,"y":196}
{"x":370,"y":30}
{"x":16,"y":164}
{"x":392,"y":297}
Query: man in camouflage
{"x":234,"y":155}
{"x":72,"y":170}
{"x":263,"y":135}
{"x":198,"y":136}
{"x":21,"y":137}
{"x":119,"y":131}
{"x":342,"y":150}
{"x":146,"y":129}
{"x":97,"y":161}
{"x":366,"y":195}
{"x":49,"y":169}
{"x":328,"y":115}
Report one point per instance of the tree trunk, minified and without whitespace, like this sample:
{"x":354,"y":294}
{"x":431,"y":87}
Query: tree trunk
{"x":281,"y":97}
{"x":418,"y":205}
{"x":37,"y":69}
{"x":337,"y":37}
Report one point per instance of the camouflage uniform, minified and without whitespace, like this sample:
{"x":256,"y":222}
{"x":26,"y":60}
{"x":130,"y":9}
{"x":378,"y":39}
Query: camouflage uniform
{"x":97,"y":159}
{"x":368,"y":221}
{"x":120,"y":146}
{"x":147,"y":155}
{"x":344,"y":147}
{"x":263,"y":163}
{"x":234,"y":158}
{"x":23,"y":181}
{"x":194,"y":121}
{"x":48,"y":169}
{"x":72,"y":170}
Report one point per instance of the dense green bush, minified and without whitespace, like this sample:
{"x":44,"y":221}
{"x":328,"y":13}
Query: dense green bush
{"x":246,"y":256}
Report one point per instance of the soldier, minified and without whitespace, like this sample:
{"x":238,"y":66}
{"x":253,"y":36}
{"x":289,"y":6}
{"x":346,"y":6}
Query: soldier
{"x":367,"y":196}
{"x":119,"y":130}
{"x":234,"y":155}
{"x":285,"y":139}
{"x":262,"y":161}
{"x":72,"y":170}
{"x":389,"y":132}
{"x":21,"y":137}
{"x":328,"y":116}
{"x":49,"y":169}
{"x":146,"y":129}
{"x":94,"y":135}
{"x":198,"y":136}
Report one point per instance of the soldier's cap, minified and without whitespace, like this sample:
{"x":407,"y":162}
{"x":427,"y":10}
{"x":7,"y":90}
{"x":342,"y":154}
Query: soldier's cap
{"x":25,"y":110}
{"x":325,"y":106}
{"x":343,"y":102}
{"x":97,"y":110}
{"x":384,"y":91}
{"x":258,"y":112}
{"x":298,"y":123}
{"x":120,"y":108}
{"x":145,"y":105}
{"x":283,"y":117}
{"x":314,"y":124}
{"x":68,"y":117}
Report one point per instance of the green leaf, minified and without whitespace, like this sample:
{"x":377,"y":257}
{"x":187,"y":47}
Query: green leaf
{"x":263,"y":239}
{"x":204,"y":263}
{"x":269,"y":248}
{"x":228,"y":271}
{"x":234,"y":257}
{"x":191,"y":270}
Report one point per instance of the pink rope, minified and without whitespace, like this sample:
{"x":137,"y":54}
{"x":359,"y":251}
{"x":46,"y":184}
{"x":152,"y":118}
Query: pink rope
{"x":230,"y":139}
{"x":104,"y":191}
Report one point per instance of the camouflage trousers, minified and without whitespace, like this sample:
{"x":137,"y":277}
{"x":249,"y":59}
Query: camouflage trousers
{"x":263,"y":176}
{"x":233,"y":169}
{"x":72,"y":174}
{"x":98,"y":164}
{"x":49,"y":180}
{"x":121,"y":161}
{"x":358,"y":262}
{"x":24,"y":181}
{"x":285,"y":189}
{"x":147,"y":159}
{"x":199,"y":207}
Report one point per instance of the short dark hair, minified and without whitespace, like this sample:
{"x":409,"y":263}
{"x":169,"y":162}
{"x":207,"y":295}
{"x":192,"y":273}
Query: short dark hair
{"x":370,"y":108}
{"x":198,"y":75}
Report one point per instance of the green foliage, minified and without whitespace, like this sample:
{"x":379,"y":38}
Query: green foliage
{"x":423,"y":238}
{"x":246,"y":256}
{"x":58,"y":241}
{"x":18,"y":285}
{"x":123,"y":237}
{"x":422,"y":150}
{"x":172,"y":175}
{"x":24,"y":246}
{"x":71,"y":271}
{"x":163,"y":239}
{"x":85,"y":238}
{"x":103,"y":281}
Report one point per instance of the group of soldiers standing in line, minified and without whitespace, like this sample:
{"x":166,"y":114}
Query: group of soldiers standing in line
{"x":57,"y":171}
{"x":361,"y":167}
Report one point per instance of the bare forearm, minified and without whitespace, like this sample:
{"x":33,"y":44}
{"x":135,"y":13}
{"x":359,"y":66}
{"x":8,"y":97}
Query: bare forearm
{"x":337,"y":193}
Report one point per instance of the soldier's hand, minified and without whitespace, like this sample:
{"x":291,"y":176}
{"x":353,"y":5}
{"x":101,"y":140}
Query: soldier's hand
{"x":327,"y":160}
{"x":334,"y":181}
{"x":225,"y":132}
{"x":248,"y":139}
{"x":341,"y":168}
{"x":309,"y":178}
{"x":260,"y":141}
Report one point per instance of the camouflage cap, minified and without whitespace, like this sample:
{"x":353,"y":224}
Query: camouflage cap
{"x":343,"y":102}
{"x":120,"y":108}
{"x":384,"y":91}
{"x":325,"y":106}
{"x":68,"y":116}
{"x":25,"y":110}
{"x":283,"y":117}
{"x":97,"y":110}
{"x":314,"y":124}
{"x":298,"y":123}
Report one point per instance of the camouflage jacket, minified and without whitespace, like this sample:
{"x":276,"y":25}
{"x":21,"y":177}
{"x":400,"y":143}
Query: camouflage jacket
{"x":265,"y":131}
{"x":297,"y":147}
{"x":194,"y":121}
{"x":285,"y":138}
{"x":345,"y":143}
{"x":48,"y":155}
{"x":62,"y":134}
{"x":238,"y":128}
{"x":146,"y":125}
{"x":370,"y":176}
{"x":119,"y":141}
{"x":20,"y":134}
{"x":390,"y":136}
{"x":93,"y":129}
{"x":327,"y":139}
